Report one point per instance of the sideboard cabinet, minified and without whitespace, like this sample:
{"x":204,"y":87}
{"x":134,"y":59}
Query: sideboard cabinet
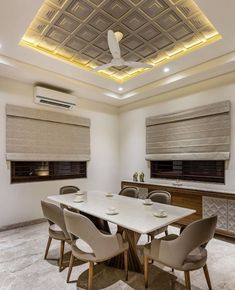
{"x":206,"y":203}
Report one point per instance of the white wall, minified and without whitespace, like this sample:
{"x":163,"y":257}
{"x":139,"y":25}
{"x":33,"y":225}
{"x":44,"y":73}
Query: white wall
{"x":21,"y":202}
{"x":132,"y":134}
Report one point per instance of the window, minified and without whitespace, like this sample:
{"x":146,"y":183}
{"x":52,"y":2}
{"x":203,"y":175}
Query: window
{"x":211,"y":171}
{"x":27,"y":171}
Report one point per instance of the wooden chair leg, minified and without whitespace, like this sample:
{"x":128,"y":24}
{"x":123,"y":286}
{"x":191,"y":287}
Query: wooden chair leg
{"x":48,"y":246}
{"x":205,"y":269}
{"x":187,"y":280}
{"x":146,"y":271}
{"x":71,"y":261}
{"x":61,"y":255}
{"x":90,"y":276}
{"x":126,"y":264}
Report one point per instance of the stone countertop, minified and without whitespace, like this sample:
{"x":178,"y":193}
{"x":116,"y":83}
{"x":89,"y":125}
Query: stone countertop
{"x":183,"y":185}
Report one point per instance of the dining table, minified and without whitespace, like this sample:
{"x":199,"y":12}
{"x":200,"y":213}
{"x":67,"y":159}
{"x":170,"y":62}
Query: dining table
{"x":130,"y":214}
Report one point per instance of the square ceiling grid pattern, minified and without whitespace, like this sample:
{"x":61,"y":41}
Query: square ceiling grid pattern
{"x":155,"y":31}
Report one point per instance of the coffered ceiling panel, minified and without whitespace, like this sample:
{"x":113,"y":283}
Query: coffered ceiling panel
{"x":154,"y":32}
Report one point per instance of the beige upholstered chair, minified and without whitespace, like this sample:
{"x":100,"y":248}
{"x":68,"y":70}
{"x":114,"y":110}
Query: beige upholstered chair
{"x":57,"y":228}
{"x":185,"y":252}
{"x":102,"y":247}
{"x":130,"y":191}
{"x":68,"y":189}
{"x":159,"y":196}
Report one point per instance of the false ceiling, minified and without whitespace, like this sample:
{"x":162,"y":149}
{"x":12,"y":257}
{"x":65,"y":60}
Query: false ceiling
{"x":155,"y":32}
{"x":32,"y":67}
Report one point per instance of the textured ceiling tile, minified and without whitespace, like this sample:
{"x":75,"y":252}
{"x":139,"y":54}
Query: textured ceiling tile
{"x":148,"y":32}
{"x":58,"y":3}
{"x":48,"y":44}
{"x":136,"y":1}
{"x":92,"y":52}
{"x":188,"y":8}
{"x":48,"y":12}
{"x":100,"y":22}
{"x":102,"y":43}
{"x":145,"y":50}
{"x":67,"y":23}
{"x":80,"y":9}
{"x":198,"y":21}
{"x":38,"y":26}
{"x":161,"y":42}
{"x":65,"y":52}
{"x":181,"y":31}
{"x":86,"y":33}
{"x":168,"y":20}
{"x":153,"y":31}
{"x":154,"y":7}
{"x":75,"y":43}
{"x":116,"y":8}
{"x":97,"y":2}
{"x":132,"y":57}
{"x":134,"y":21}
{"x":105,"y":58}
{"x":132,"y":42}
{"x":56,"y":34}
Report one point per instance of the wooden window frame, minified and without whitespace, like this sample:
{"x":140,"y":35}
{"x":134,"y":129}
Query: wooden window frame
{"x":50,"y":168}
{"x":180,"y":169}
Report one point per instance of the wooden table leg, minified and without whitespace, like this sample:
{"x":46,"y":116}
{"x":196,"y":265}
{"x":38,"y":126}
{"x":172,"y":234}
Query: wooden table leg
{"x":134,"y":263}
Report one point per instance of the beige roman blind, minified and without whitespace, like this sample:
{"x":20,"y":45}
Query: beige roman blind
{"x":202,"y":133}
{"x":38,"y":135}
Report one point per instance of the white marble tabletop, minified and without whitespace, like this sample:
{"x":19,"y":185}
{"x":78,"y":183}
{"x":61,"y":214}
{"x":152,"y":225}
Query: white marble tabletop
{"x":132,"y":213}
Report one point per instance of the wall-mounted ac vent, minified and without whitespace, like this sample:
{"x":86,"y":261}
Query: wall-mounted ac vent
{"x":53,"y":98}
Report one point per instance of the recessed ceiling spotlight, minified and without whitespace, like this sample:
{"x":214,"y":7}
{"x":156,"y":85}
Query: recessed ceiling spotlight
{"x":166,"y":69}
{"x":120,"y":89}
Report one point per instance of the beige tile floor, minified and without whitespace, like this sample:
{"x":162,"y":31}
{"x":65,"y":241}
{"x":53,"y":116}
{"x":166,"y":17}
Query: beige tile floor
{"x":22,"y":266}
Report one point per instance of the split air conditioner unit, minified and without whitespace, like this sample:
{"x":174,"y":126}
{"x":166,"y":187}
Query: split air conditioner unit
{"x":53,"y":98}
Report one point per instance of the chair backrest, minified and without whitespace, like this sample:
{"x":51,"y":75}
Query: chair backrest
{"x":79,"y":226}
{"x":68,"y":189}
{"x":130,"y":191}
{"x":54,"y":215}
{"x":160,"y":196}
{"x":195,"y":235}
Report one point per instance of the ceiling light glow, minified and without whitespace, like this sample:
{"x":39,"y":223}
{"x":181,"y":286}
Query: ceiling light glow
{"x":120,"y":89}
{"x":166,"y":69}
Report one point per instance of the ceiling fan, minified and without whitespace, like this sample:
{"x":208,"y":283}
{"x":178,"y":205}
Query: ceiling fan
{"x":113,"y":43}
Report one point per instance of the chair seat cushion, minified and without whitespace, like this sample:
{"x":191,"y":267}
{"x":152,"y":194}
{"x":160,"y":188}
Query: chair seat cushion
{"x":196,"y":259}
{"x":83,"y":246}
{"x":56,"y":232}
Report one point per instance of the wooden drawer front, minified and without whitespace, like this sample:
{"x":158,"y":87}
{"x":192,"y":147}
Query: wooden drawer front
{"x":188,"y":201}
{"x":219,"y":207}
{"x":231,"y":216}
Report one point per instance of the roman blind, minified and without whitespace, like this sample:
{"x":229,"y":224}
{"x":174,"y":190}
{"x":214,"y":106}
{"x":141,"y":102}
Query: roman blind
{"x":38,"y":135}
{"x":202,"y":133}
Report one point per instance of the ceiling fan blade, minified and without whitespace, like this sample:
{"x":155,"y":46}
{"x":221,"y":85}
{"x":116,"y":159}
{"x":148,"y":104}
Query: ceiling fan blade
{"x":113,"y":45}
{"x":103,"y":67}
{"x":137,"y":64}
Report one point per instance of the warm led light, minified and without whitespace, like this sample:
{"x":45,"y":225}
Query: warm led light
{"x":166,"y":69}
{"x":36,"y":38}
{"x":120,"y":89}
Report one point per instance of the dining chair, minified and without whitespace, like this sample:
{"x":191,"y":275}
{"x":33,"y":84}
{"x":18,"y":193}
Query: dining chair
{"x":159,"y":196}
{"x":68,"y":189}
{"x":185,"y":252}
{"x":57,"y":228}
{"x":102,"y":247}
{"x":130,"y":191}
